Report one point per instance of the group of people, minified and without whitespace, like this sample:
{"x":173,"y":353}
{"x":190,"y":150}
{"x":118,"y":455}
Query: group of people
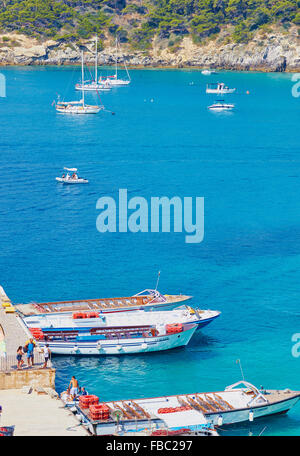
{"x":28,"y":350}
{"x":74,"y":391}
{"x":67,"y":176}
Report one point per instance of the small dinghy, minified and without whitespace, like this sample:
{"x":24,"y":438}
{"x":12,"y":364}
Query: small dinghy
{"x":73,"y":179}
{"x":221,"y":106}
{"x":218,"y":88}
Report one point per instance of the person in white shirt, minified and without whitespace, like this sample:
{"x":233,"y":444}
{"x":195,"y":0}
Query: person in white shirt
{"x":46,"y":351}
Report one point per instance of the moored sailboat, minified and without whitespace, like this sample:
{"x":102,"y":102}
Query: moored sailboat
{"x":114,"y":80}
{"x":94,"y":85}
{"x":78,"y":107}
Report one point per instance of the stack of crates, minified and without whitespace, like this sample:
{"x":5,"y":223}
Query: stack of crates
{"x":86,"y":401}
{"x":99,"y":412}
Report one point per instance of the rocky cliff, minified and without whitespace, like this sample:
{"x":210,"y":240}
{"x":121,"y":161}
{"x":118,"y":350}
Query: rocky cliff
{"x":272,"y":52}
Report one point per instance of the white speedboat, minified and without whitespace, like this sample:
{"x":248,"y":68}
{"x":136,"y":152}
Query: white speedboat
{"x":115,"y":340}
{"x":221,"y":106}
{"x":73,"y":179}
{"x":78,"y":107}
{"x":240,"y":402}
{"x":218,"y":88}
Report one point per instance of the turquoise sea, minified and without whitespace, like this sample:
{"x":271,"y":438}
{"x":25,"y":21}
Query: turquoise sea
{"x":162,"y":141}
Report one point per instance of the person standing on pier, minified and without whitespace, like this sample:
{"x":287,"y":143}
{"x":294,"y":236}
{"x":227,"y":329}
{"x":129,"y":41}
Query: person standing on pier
{"x":30,"y":348}
{"x":20,"y":354}
{"x":47,"y":352}
{"x":74,"y":387}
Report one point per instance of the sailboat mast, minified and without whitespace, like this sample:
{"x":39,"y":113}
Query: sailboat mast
{"x":116,"y":57}
{"x":96,"y":62}
{"x":82,"y":77}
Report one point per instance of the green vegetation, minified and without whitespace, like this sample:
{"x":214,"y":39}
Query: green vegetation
{"x":137,"y":22}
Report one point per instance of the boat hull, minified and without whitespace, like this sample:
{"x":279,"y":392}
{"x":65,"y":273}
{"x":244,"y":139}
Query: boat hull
{"x":242,"y":415}
{"x":80,"y":111}
{"x":71,"y":181}
{"x":120,"y":346}
{"x":220,"y":92}
{"x":92,"y":87}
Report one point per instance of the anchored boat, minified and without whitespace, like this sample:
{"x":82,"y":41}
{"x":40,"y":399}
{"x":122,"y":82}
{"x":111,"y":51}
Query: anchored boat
{"x":114,"y":340}
{"x":78,"y":107}
{"x":73,"y":179}
{"x":145,"y":300}
{"x":218,"y":88}
{"x":220,"y":105}
{"x":89,"y":320}
{"x":114,"y":80}
{"x":92,"y":85}
{"x":238,"y":403}
{"x":155,"y":417}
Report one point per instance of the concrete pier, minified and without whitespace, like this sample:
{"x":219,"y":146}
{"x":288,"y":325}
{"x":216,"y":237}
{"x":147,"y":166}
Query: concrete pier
{"x":27,"y":396}
{"x":37,"y":414}
{"x":14,"y":333}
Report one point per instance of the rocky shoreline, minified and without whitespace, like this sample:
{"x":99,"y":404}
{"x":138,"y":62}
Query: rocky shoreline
{"x":274,"y":52}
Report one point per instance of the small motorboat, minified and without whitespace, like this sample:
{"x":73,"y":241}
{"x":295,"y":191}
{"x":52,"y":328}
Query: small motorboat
{"x":221,"y":106}
{"x":218,"y":88}
{"x":73,"y":179}
{"x":208,"y":72}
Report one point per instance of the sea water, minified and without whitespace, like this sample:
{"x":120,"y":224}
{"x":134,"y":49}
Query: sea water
{"x":162,"y":141}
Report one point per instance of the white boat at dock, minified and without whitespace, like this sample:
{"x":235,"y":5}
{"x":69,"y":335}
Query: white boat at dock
{"x":77,"y":320}
{"x":145,"y":300}
{"x":240,"y":402}
{"x":218,"y":88}
{"x":115,"y":340}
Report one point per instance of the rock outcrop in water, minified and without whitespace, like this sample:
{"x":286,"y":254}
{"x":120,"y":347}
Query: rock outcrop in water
{"x":272,"y":52}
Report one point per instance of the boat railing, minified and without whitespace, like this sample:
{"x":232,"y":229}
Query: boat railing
{"x":8,"y":363}
{"x":123,"y":332}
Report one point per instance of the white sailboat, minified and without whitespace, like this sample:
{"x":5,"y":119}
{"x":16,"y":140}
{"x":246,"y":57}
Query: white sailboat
{"x":94,"y":84}
{"x":78,"y":107}
{"x":114,"y":80}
